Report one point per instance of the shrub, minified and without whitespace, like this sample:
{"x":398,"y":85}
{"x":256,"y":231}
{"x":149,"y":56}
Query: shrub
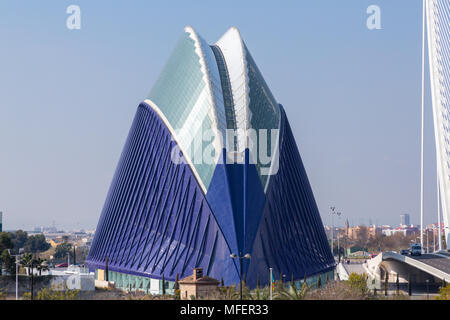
{"x":444,"y":293}
{"x":338,"y":290}
{"x":358,"y":282}
{"x":52,"y":294}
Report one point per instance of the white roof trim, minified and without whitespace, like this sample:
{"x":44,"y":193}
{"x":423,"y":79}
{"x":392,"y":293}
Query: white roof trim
{"x":175,"y":138}
{"x":211,"y":71}
{"x":230,"y":44}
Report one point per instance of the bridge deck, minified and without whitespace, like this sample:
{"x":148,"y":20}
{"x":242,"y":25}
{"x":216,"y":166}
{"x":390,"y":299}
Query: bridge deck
{"x":437,"y":265}
{"x":435,"y":261}
{"x":445,"y":253}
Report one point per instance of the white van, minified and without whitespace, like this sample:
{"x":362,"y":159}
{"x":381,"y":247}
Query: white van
{"x":415,"y":249}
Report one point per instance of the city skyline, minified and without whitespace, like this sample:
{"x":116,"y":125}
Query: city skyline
{"x":82,"y":84}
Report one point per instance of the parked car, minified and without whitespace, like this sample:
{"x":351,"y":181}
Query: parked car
{"x":62,"y":265}
{"x":404,"y":252}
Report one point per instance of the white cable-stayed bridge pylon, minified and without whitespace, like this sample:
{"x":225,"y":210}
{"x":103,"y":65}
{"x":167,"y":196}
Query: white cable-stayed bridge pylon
{"x":438,"y":34}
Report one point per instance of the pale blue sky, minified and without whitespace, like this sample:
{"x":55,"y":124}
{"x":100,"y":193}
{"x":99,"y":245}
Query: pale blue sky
{"x":67,"y":98}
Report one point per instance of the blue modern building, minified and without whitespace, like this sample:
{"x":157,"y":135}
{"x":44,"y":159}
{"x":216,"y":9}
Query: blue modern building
{"x":210,"y":168}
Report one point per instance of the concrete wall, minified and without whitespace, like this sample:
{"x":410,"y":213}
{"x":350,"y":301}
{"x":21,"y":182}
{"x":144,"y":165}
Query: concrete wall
{"x":404,"y":270}
{"x":393,"y":264}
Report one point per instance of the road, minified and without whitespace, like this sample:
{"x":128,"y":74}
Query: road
{"x":438,"y":262}
{"x":445,"y":253}
{"x":354,"y":268}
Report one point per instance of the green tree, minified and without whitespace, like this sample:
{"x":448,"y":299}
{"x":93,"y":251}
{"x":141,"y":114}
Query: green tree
{"x":52,"y":294}
{"x":228,"y":293}
{"x":8,"y":262}
{"x":36,"y":243}
{"x":444,"y":293}
{"x":41,"y":265}
{"x":26,"y":261}
{"x":19,"y":238}
{"x":397,"y":284}
{"x":358,"y":282}
{"x":5,"y":241}
{"x":62,"y":250}
{"x":261,"y":294}
{"x":292,"y":293}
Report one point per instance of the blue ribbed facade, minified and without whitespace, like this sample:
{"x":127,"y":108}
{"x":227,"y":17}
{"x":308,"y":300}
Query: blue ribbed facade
{"x":156,"y":218}
{"x":163,"y":218}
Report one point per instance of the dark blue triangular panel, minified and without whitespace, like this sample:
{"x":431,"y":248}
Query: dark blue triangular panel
{"x":290,"y":238}
{"x":156,"y":219}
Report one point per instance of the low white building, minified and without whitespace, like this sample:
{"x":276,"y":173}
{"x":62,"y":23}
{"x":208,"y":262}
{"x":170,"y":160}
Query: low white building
{"x":72,"y":278}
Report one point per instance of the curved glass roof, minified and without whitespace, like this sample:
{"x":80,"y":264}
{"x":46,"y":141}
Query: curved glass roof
{"x":189,"y":94}
{"x":264,"y":112}
{"x":254,"y":105}
{"x":208,"y":89}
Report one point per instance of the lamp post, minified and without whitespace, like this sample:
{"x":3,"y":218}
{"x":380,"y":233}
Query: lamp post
{"x":338,"y":239}
{"x":446,"y":245}
{"x":17,"y":278}
{"x":21,"y":250}
{"x":271,"y":282}
{"x":246,"y":256}
{"x":32,"y":279}
{"x":439,"y":212}
{"x":434,"y":239}
{"x":339,"y":248}
{"x":333,"y":212}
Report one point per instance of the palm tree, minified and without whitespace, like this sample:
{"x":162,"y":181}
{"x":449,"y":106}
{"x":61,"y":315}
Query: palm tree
{"x":27,"y":261}
{"x":41,"y":265}
{"x":229,"y":292}
{"x":261,"y":294}
{"x":292,"y":293}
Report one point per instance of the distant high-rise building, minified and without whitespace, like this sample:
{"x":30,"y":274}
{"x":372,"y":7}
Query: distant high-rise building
{"x":404,"y":219}
{"x":1,"y":221}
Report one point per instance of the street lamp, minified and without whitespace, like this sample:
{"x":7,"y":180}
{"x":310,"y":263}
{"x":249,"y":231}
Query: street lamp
{"x":434,"y":238}
{"x":446,"y":245}
{"x":246,"y":256}
{"x":338,"y":239}
{"x":21,"y":250}
{"x":333,"y":212}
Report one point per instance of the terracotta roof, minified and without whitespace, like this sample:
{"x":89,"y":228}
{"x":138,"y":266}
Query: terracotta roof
{"x":204,"y":280}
